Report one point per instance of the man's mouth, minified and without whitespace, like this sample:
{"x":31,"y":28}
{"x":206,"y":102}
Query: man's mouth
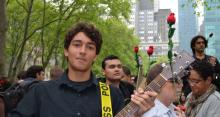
{"x":81,"y":59}
{"x":117,"y":74}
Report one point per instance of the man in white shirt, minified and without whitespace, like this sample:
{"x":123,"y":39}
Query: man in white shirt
{"x":166,"y":96}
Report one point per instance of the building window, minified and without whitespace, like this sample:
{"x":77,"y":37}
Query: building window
{"x":141,"y":32}
{"x":150,"y":32}
{"x":141,"y":12}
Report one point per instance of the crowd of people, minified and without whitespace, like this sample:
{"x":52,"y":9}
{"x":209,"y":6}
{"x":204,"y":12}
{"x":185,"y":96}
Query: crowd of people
{"x":77,"y":91}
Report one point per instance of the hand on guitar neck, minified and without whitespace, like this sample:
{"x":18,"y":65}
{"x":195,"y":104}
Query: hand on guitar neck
{"x":141,"y":101}
{"x":144,"y":100}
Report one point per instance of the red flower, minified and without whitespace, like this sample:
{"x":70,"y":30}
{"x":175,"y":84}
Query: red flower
{"x":171,"y":19}
{"x":150,"y":50}
{"x":182,"y":107}
{"x":136,"y":49}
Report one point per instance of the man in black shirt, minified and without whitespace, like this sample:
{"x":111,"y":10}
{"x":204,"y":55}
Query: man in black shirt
{"x":198,"y":46}
{"x":77,"y":92}
{"x":113,"y":72}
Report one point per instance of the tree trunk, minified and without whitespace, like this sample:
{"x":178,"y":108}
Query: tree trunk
{"x":58,"y":31}
{"x":3,"y":29}
{"x":19,"y":57}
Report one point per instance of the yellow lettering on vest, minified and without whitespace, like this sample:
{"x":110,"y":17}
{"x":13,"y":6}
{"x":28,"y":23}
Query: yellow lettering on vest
{"x":107,"y":111}
{"x":104,"y":89}
{"x":106,"y":100}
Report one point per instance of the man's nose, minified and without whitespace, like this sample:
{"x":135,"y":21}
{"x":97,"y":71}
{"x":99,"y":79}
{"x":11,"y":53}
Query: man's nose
{"x":83,"y":49}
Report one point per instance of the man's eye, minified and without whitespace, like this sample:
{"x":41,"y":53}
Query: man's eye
{"x":119,"y":66}
{"x":76,"y":44}
{"x":112,"y":66}
{"x":91,"y":47}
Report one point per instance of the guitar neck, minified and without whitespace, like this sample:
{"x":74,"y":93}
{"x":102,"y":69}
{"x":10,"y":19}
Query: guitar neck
{"x":140,"y":76}
{"x":131,"y":107}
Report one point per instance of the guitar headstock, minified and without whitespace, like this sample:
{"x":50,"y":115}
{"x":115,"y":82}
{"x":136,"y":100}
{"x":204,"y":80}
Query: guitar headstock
{"x":181,"y":61}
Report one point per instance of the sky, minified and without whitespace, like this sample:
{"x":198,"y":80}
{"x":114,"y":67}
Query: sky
{"x":173,"y":5}
{"x":170,"y":4}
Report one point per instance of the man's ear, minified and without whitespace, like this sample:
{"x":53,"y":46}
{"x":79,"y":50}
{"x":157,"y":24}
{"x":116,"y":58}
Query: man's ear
{"x":65,"y":52}
{"x":193,"y":47}
{"x":103,"y":72}
{"x":209,"y":79}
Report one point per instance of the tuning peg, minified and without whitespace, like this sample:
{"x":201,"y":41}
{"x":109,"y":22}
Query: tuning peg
{"x":186,"y":72}
{"x":163,"y":65}
{"x":174,"y":74}
{"x":175,"y":54}
{"x":180,"y":56}
{"x":181,"y":67}
{"x":187,"y":62}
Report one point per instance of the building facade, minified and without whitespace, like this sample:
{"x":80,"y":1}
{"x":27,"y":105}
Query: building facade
{"x":151,"y":26}
{"x":188,"y":24}
{"x":212,"y":25}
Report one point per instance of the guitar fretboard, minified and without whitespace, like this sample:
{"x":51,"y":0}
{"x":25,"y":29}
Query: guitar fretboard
{"x":131,"y":108}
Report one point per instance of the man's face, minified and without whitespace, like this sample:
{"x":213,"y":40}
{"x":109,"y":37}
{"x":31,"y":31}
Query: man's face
{"x":40,"y":76}
{"x":199,"y":45}
{"x":113,"y":70}
{"x":81,"y":53}
{"x":169,"y":91}
{"x":197,"y":84}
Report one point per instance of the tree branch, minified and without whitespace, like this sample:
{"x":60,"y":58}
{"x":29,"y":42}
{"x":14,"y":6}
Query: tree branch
{"x":22,"y":5}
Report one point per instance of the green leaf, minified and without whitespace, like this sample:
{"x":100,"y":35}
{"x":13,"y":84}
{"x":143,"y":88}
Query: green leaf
{"x":170,"y":43}
{"x":171,"y":32}
{"x":170,"y":55}
{"x":136,"y":57}
{"x":152,"y":62}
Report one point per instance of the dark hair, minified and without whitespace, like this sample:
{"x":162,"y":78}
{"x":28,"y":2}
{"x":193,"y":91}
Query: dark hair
{"x":110,"y":57}
{"x":21,"y":75}
{"x":33,"y":70}
{"x":55,"y":72}
{"x":89,"y":30}
{"x":126,"y":70}
{"x":154,"y":71}
{"x":203,"y":68}
{"x":194,"y":39}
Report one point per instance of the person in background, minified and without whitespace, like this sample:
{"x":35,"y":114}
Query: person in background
{"x":55,"y":72}
{"x":15,"y":93}
{"x":21,"y":76}
{"x":198,"y":45}
{"x":127,"y":75}
{"x":204,"y":100}
{"x":113,"y":71}
{"x":164,"y":106}
{"x":35,"y":72}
